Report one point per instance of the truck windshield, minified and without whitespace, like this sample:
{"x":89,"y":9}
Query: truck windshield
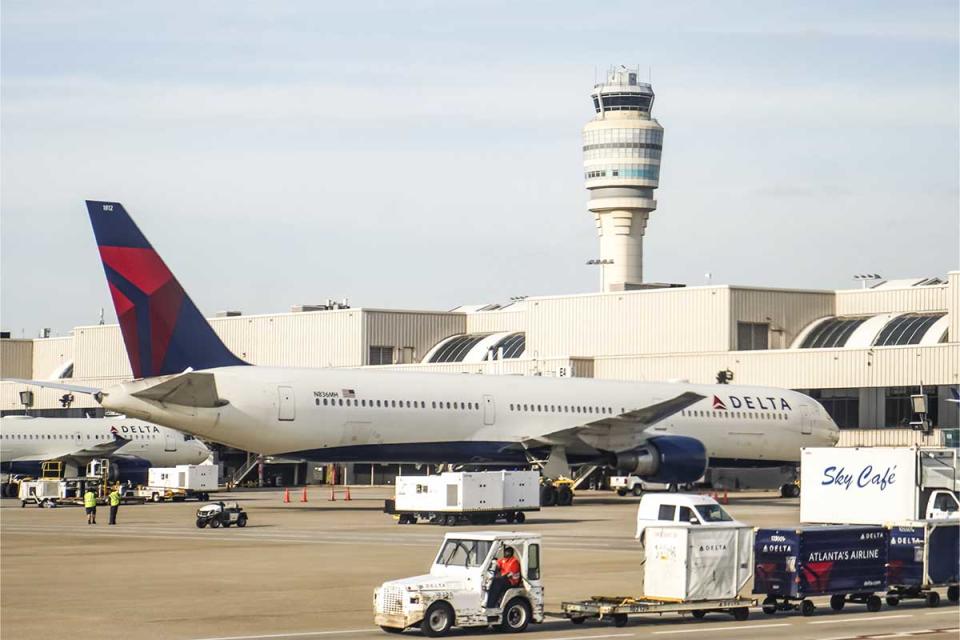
{"x":464,"y":553}
{"x":713,"y":513}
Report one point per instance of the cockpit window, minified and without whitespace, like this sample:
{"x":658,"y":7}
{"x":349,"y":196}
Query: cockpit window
{"x":187,"y":437}
{"x":464,"y":553}
{"x":713,"y":513}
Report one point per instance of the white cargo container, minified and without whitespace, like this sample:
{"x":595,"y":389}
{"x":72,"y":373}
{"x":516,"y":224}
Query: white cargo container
{"x":690,"y":563}
{"x":877,"y":485}
{"x":480,"y":497}
{"x":188,"y":477}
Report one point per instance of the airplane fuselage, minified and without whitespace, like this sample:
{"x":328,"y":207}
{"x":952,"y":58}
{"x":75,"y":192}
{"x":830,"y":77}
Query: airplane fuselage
{"x":32,"y":440}
{"x":334,"y":415}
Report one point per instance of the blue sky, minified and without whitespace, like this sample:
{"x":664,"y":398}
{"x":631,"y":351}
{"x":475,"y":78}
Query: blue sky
{"x":427,"y":154}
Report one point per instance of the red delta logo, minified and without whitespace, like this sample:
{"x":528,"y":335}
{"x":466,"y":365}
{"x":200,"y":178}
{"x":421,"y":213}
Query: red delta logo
{"x":718,"y":403}
{"x":113,"y":430}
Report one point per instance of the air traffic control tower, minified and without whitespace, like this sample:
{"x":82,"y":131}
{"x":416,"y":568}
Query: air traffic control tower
{"x":621,"y":162}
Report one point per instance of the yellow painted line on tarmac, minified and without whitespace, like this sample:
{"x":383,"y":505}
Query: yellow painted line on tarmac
{"x":746,"y":627}
{"x":861,"y":619}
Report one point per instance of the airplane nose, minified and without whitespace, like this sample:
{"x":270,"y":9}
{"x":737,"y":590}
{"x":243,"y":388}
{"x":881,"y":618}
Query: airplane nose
{"x":832,"y":432}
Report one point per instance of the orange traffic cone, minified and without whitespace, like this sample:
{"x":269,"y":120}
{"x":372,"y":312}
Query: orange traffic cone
{"x":286,"y":495}
{"x":726,"y":499}
{"x":303,"y":496}
{"x":347,"y":496}
{"x":333,"y":493}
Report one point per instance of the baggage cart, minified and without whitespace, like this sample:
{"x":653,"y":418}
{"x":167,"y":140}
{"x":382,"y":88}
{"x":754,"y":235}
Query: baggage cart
{"x":847,"y":563}
{"x":922,"y":556}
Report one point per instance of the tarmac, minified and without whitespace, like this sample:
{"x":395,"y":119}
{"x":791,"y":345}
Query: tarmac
{"x":308,"y":570}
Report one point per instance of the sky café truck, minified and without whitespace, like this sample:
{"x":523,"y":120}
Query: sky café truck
{"x":878,"y":485}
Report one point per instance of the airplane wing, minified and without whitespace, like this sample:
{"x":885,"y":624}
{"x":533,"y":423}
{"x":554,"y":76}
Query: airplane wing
{"x":56,"y":385}
{"x":191,"y":389}
{"x":617,"y":432}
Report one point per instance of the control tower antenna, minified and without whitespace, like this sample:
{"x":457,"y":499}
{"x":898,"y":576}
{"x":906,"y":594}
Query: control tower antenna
{"x":621,"y":161}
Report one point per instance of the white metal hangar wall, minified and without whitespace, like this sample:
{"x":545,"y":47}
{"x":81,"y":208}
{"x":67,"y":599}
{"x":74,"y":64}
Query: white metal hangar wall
{"x":861,"y":351}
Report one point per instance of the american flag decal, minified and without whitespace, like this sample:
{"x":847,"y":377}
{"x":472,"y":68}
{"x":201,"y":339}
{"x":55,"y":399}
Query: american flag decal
{"x":718,"y":403}
{"x":348,"y":393}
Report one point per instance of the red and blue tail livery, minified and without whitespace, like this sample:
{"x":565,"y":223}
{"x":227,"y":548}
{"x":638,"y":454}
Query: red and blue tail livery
{"x":162,"y":328}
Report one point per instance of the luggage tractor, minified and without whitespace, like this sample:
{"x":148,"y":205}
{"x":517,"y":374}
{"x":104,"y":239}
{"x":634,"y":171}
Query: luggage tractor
{"x":454,"y":593}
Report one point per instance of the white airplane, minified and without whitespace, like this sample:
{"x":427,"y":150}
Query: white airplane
{"x":131,"y":445}
{"x":186,"y":378}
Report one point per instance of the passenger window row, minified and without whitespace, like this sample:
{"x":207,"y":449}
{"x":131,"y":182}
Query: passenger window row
{"x":396,"y":404}
{"x":740,"y":415}
{"x":562,"y":408}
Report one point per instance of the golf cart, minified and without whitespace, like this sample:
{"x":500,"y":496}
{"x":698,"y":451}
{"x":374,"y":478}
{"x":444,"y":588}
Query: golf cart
{"x":218,"y":514}
{"x":454,"y":593}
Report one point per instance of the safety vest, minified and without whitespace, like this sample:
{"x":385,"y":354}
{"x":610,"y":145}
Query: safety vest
{"x":115,"y":499}
{"x":510,"y":569}
{"x":89,"y":499}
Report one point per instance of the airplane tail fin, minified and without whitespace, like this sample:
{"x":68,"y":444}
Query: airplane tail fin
{"x":163,"y":330}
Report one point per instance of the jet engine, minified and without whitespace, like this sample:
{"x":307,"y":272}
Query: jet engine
{"x":667,"y":459}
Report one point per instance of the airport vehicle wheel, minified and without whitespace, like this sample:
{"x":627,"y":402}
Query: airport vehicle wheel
{"x":807,"y":608}
{"x":203,"y":497}
{"x":621,"y":492}
{"x":48,"y":504}
{"x":933,"y":599}
{"x":564,"y":496}
{"x":578,"y":620}
{"x":411,"y":519}
{"x":953,"y":593}
{"x":874,"y":603}
{"x":893,"y":601}
{"x":794,"y":491}
{"x":214,"y":524}
{"x":620,"y":619}
{"x":155,"y":497}
{"x":837,"y":602}
{"x":769,"y":605}
{"x":699,"y":614}
{"x":391,"y":629}
{"x":516,"y":616}
{"x":637,"y":490}
{"x":510,"y":518}
{"x":521,"y":517}
{"x":201,"y":523}
{"x":741,"y":613}
{"x":242,"y":520}
{"x":451,"y":520}
{"x":438,"y":620}
{"x":548,"y":496}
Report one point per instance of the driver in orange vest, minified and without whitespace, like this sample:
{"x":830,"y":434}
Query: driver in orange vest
{"x":508,"y":568}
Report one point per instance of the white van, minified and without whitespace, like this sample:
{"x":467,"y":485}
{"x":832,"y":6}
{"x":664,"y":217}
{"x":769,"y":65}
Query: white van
{"x":680,"y":508}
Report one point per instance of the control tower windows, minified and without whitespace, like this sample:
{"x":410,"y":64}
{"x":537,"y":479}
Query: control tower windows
{"x":635,"y":172}
{"x":623,"y":102}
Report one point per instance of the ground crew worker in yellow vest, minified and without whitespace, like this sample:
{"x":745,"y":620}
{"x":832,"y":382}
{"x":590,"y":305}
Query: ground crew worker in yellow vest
{"x":90,"y":505}
{"x":114,"y":499}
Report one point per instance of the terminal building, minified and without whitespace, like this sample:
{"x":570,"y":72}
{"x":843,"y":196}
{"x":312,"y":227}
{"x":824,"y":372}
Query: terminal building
{"x":861,"y":352}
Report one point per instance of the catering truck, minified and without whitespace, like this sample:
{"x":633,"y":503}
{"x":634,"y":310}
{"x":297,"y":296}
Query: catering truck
{"x":878,"y":485}
{"x":481,"y":497}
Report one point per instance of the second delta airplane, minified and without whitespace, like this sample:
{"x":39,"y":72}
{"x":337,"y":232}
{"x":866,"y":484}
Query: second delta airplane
{"x":186,"y":378}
